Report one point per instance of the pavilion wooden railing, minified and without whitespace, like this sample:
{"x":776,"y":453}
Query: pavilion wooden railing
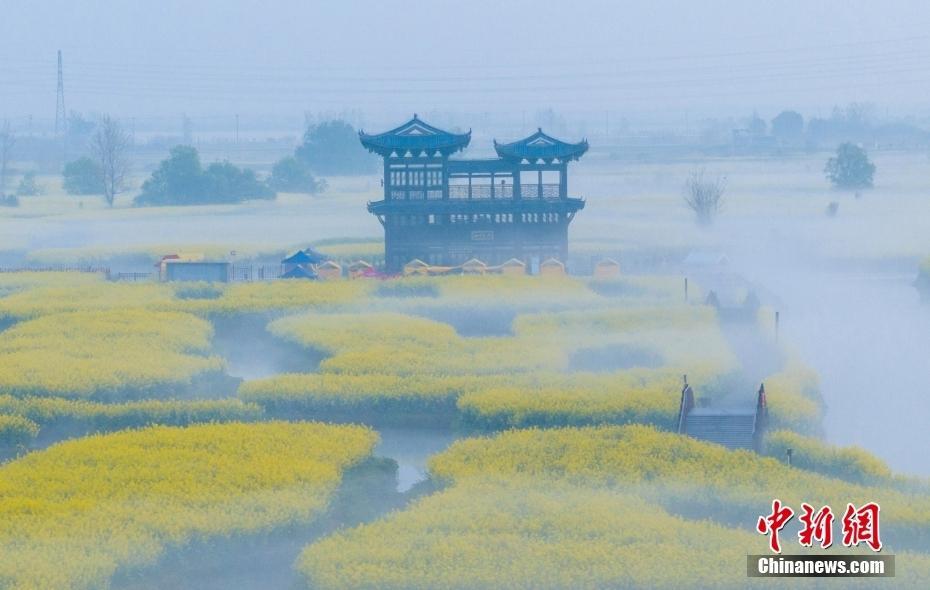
{"x":532,"y":191}
{"x":685,"y":407}
{"x":504,"y":191}
{"x":762,"y":419}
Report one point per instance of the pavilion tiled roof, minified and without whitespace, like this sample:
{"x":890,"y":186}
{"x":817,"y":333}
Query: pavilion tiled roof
{"x":541,"y":146}
{"x":417,"y":137}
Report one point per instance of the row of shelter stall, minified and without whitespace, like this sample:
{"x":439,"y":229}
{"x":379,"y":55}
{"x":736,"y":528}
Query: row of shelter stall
{"x":311,"y":265}
{"x":605,"y":268}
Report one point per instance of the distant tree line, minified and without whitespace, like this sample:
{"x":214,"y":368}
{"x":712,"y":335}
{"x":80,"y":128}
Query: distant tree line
{"x":330,"y":148}
{"x":854,"y":123}
{"x":182,"y":180}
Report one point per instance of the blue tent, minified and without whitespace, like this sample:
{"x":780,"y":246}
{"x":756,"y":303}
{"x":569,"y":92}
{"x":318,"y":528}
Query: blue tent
{"x":301,"y":257}
{"x":299,"y":272}
{"x":314,"y":256}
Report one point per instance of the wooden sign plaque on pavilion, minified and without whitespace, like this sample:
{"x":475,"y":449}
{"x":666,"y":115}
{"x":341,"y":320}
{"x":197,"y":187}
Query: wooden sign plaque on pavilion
{"x":444,"y":210}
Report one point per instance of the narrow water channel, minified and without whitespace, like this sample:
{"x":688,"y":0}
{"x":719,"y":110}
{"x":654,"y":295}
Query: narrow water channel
{"x":411,"y":448}
{"x":251,"y":352}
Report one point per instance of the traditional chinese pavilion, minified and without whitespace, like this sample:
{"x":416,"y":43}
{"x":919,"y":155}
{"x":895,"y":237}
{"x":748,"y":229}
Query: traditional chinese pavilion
{"x":445,"y":210}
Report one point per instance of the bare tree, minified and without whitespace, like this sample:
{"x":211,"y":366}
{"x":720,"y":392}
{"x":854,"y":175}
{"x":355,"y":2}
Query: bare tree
{"x":7,"y":141}
{"x":109,"y":145}
{"x":705,"y":196}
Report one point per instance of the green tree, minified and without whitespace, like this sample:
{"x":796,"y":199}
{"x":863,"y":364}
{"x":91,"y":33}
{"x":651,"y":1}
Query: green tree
{"x":850,"y":168}
{"x":177,"y":180}
{"x":83,"y":177}
{"x":225,"y":183}
{"x":181,"y":180}
{"x":788,"y":125}
{"x":28,"y":187}
{"x":292,"y":175}
{"x":332,"y":148}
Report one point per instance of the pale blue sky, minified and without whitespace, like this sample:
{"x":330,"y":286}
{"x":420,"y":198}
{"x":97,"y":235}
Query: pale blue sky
{"x":135,"y":58}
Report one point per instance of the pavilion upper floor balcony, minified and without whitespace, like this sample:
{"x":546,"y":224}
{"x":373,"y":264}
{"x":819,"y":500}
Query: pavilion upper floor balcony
{"x":423,"y":205}
{"x":505,"y":191}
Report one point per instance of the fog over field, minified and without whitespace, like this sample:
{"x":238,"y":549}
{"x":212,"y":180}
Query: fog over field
{"x":843,"y":285}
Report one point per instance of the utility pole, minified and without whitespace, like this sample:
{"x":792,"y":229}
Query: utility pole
{"x":61,"y":116}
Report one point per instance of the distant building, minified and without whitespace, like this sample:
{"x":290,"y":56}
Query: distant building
{"x":360,"y":268}
{"x":606,"y":268}
{"x":186,"y":270}
{"x":416,"y":267}
{"x":551,"y":268}
{"x":444,"y":211}
{"x":513,"y":267}
{"x":162,"y":264}
{"x":329,"y":270}
{"x":474,"y":266}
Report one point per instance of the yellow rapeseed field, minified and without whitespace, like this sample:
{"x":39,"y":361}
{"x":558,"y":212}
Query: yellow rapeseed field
{"x":11,"y":282}
{"x":87,"y":294}
{"x":793,"y":396}
{"x":73,"y":514}
{"x":678,"y":468}
{"x":33,"y":294}
{"x":16,"y":430}
{"x":109,"y":353}
{"x":110,"y":416}
{"x":543,"y":535}
{"x":593,"y":508}
{"x":393,"y":343}
{"x":385,"y":358}
{"x":275,"y":296}
{"x":850,"y":463}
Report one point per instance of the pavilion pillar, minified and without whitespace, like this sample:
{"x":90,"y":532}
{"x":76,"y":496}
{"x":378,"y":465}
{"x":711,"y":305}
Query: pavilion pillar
{"x":516,"y":183}
{"x":563,"y":180}
{"x":540,"y":186}
{"x":407,"y":181}
{"x":445,"y":177}
{"x":387,"y":179}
